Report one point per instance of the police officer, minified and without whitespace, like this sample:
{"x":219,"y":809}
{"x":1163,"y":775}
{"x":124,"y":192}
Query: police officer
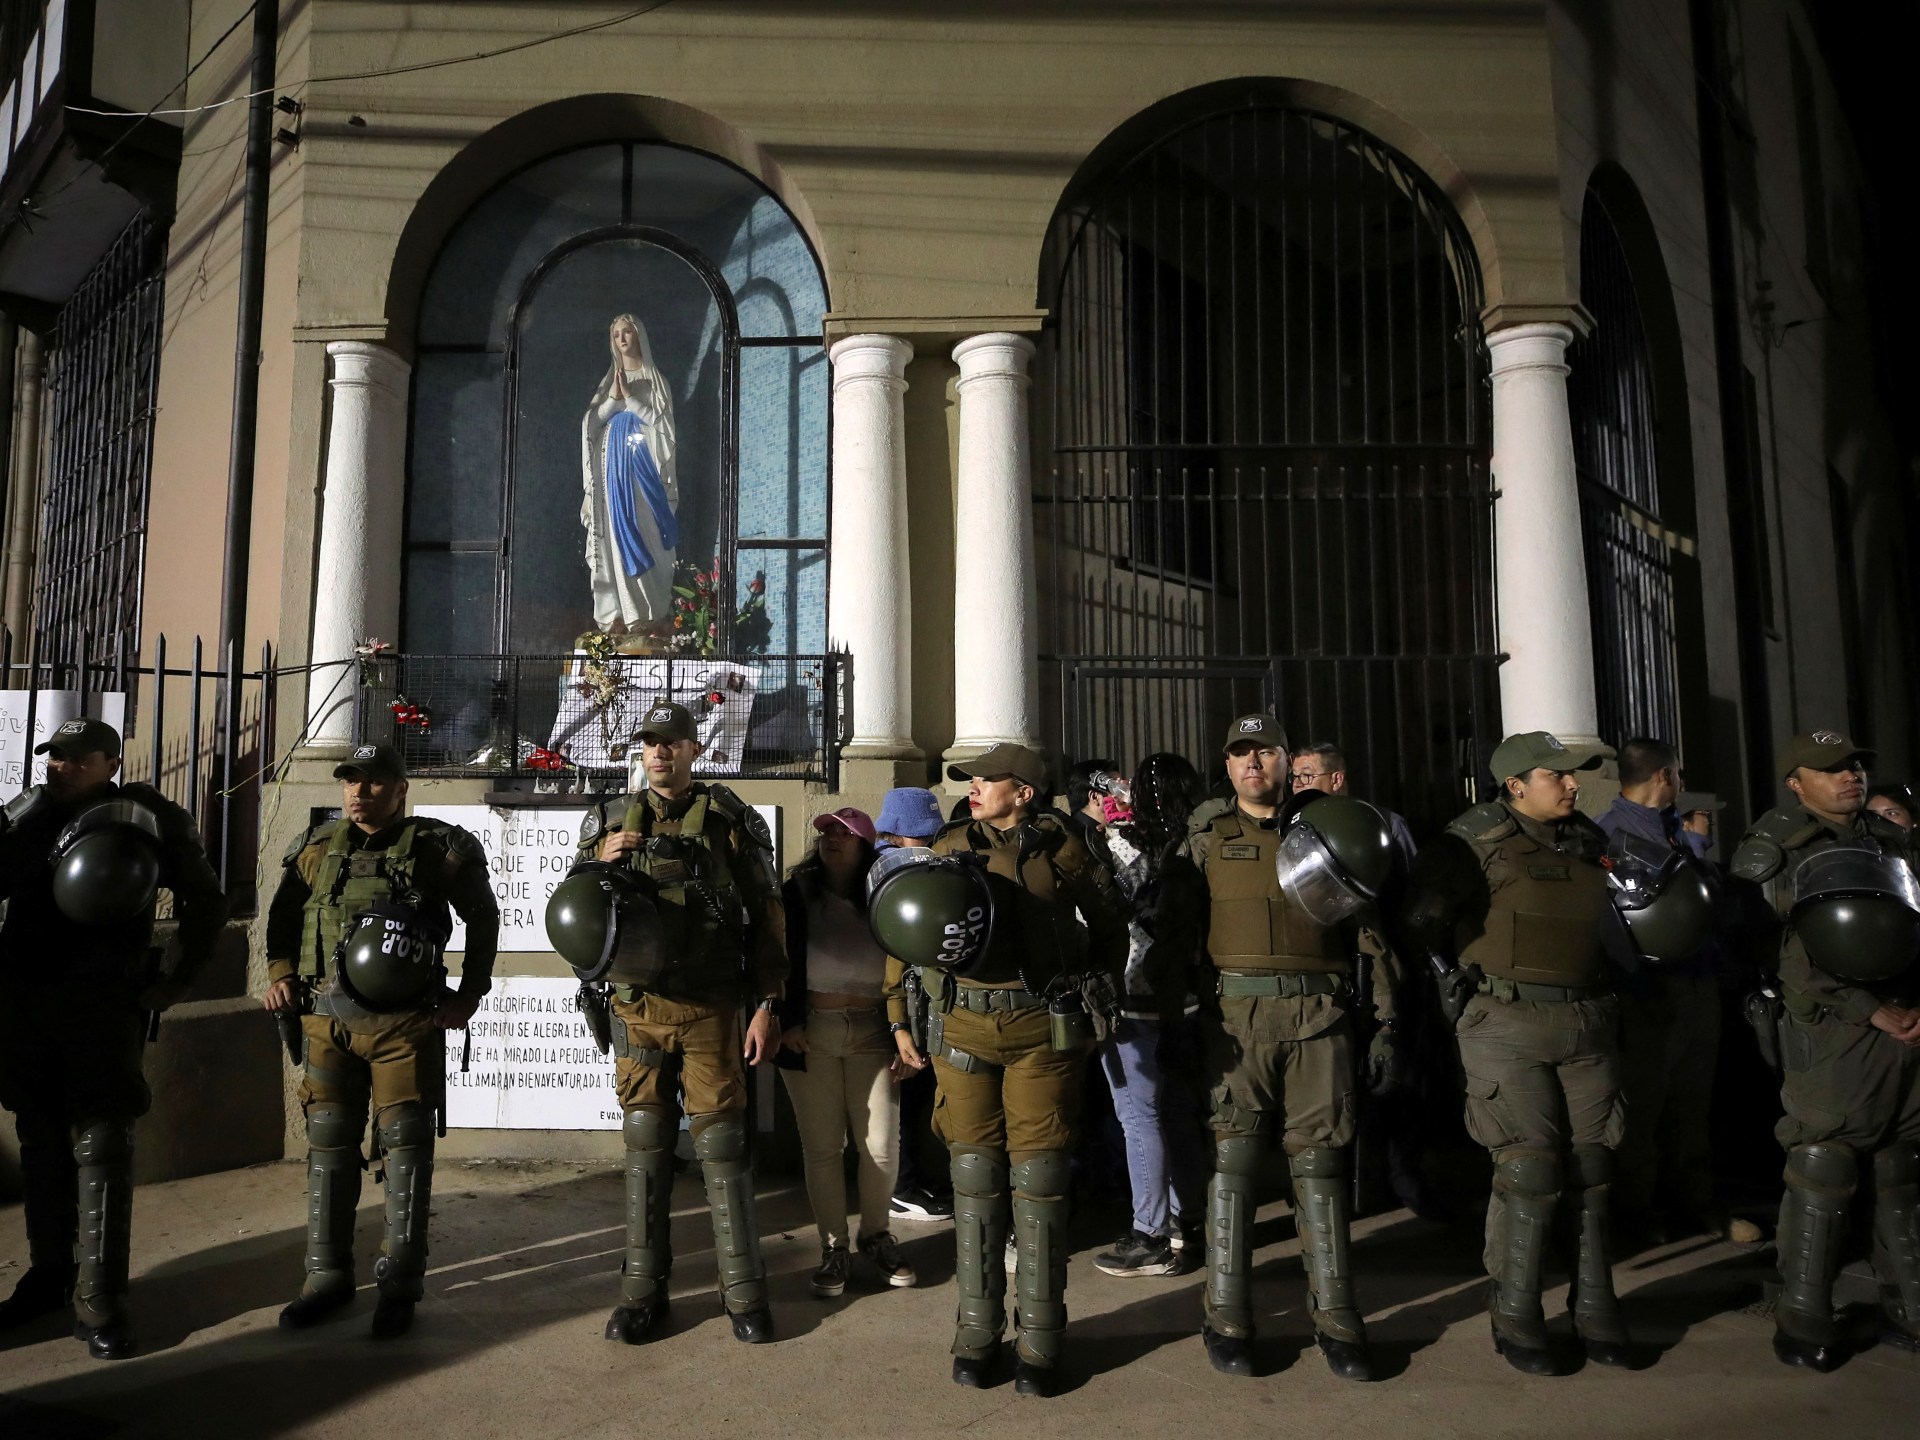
{"x":1015,"y":1035}
{"x":76,"y":995}
{"x":680,"y":1039}
{"x":1849,"y":1045}
{"x":1515,"y":892}
{"x":355,"y":934}
{"x":1280,"y":1036}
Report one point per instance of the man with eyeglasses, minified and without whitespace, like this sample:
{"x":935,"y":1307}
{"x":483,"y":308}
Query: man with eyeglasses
{"x":1849,"y":1042}
{"x":1322,"y":766}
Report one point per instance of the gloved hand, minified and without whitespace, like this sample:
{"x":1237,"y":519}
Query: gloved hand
{"x":1457,"y":989}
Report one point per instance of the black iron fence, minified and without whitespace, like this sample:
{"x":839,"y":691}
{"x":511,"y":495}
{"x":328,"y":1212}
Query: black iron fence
{"x":568,"y":717}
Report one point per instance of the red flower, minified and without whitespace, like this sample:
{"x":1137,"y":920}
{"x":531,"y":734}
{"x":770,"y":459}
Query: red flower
{"x":758,"y":585}
{"x":714,"y":697}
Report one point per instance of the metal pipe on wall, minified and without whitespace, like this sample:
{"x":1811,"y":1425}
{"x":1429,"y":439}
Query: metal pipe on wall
{"x":23,"y":494}
{"x":9,"y":342}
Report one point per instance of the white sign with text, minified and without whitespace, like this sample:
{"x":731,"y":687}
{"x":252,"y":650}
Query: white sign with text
{"x":534,"y":1064}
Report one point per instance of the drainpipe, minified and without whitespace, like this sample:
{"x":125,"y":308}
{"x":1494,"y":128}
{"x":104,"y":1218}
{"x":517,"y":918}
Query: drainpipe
{"x":23,"y":494}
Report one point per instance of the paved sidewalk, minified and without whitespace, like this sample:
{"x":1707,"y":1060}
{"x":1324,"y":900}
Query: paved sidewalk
{"x":524,"y":1259}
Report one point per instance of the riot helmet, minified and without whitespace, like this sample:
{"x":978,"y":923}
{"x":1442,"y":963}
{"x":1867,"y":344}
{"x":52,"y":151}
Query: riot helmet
{"x":604,"y":921}
{"x":1664,"y":898}
{"x":930,"y":910}
{"x":390,"y":958}
{"x":106,"y":863}
{"x":1857,"y":910}
{"x":1336,"y":854}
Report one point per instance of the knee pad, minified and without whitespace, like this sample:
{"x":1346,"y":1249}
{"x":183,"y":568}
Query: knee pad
{"x":1321,"y":1162}
{"x":1591,"y":1165}
{"x":1043,"y":1173}
{"x":980,"y":1173}
{"x":103,"y":1142}
{"x":648,"y":1130}
{"x":1237,"y":1154}
{"x":405,"y":1126}
{"x":1527,"y":1172}
{"x":1897,"y":1164}
{"x":333,"y":1127}
{"x":1826,"y":1166}
{"x":721,"y":1142}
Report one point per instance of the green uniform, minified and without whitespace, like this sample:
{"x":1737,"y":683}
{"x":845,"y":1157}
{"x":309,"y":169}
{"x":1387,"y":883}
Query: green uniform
{"x":1851,"y":1092}
{"x":680,"y":1040}
{"x":1525,"y":904}
{"x":390,"y":1068}
{"x":1281,"y":1035}
{"x":1007,"y":1102}
{"x":72,"y":1033}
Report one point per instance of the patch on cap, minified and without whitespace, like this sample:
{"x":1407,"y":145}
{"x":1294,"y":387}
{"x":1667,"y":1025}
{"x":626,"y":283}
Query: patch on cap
{"x":72,"y":727}
{"x":1828,"y":737}
{"x":1252,"y":725}
{"x":1551,"y":742}
{"x":365,"y":752}
{"x":660,"y":715}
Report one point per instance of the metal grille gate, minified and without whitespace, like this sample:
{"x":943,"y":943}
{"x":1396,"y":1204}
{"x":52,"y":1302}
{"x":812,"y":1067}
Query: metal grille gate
{"x":102,"y":375}
{"x":1628,"y":549}
{"x":1269,"y":480}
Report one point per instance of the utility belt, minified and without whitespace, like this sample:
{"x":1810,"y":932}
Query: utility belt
{"x":984,"y":1002}
{"x":649,"y":1056}
{"x":1070,"y":1026}
{"x":1280,"y":984}
{"x":1503,"y":989}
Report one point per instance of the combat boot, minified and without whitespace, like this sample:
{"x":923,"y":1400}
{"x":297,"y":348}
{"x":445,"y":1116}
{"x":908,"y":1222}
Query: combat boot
{"x":721,"y":1148}
{"x":406,"y":1138}
{"x":648,"y":1261}
{"x":1526,"y":1186}
{"x":1597,"y":1318}
{"x":1227,"y":1330}
{"x":1896,"y":1243}
{"x":1813,"y":1221}
{"x":1322,"y":1197}
{"x":981,"y":1210}
{"x":103,"y":1155}
{"x":333,"y":1195}
{"x":1040,"y":1183}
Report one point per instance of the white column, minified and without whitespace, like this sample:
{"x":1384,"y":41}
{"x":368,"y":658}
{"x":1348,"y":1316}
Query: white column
{"x":1540,"y":569}
{"x":868,"y":614}
{"x":357,"y":583}
{"x":995,"y":654}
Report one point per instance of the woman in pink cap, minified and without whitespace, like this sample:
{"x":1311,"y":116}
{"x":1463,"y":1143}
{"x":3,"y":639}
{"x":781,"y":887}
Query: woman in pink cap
{"x":836,"y":1051}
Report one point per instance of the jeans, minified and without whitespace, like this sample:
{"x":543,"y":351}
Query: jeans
{"x":1166,"y":1161}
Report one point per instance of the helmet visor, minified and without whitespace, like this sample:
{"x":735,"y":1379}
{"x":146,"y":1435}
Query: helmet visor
{"x":1313,"y":881}
{"x":1855,"y":872}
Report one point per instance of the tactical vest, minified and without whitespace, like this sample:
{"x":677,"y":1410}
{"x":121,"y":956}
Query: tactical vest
{"x":1252,"y":927}
{"x":1037,"y":937}
{"x":702,"y":916}
{"x":349,"y":881}
{"x":1549,"y":904}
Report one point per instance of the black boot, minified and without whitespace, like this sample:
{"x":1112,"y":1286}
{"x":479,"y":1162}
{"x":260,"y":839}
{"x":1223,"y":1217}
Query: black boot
{"x":1813,"y":1217}
{"x":632,"y":1321}
{"x":1229,"y":1354}
{"x":1032,"y":1379}
{"x":752,"y":1327}
{"x":310,"y":1309}
{"x":975,"y":1372}
{"x":392,"y":1315}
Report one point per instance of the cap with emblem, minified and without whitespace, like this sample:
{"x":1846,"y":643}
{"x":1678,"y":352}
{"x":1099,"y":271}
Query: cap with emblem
{"x":76,"y":738}
{"x":1262,"y":729}
{"x":1537,"y":750}
{"x":375,"y":762}
{"x":1820,"y":750}
{"x":668,"y":721}
{"x":1022,"y":764}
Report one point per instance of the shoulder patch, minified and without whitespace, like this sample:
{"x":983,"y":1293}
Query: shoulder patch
{"x":1487,"y":821}
{"x":1758,"y":859}
{"x":598,"y":821}
{"x":463,"y":844}
{"x":1206,"y":812}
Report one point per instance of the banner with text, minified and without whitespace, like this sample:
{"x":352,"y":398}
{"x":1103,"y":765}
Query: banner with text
{"x":534,"y":1065}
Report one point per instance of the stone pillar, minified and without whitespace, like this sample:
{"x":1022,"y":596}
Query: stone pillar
{"x":868,"y":610}
{"x":995,"y":642}
{"x":358,"y":589}
{"x":1540,"y":569}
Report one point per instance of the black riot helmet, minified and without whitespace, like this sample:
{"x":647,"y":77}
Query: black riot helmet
{"x":390,"y":958}
{"x":106,"y":863}
{"x":930,"y":910}
{"x":1336,"y":854}
{"x":1857,"y":910}
{"x":604,"y":921}
{"x":1664,"y":897}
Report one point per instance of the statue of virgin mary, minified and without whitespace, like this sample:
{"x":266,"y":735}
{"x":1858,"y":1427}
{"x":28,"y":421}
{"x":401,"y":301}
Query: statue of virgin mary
{"x":632,"y":496}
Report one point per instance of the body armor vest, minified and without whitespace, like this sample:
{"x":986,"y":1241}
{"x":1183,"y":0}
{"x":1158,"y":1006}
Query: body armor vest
{"x":1548,"y":908}
{"x":348,"y":883}
{"x":1252,"y":925}
{"x":1037,"y":936}
{"x":702,"y":917}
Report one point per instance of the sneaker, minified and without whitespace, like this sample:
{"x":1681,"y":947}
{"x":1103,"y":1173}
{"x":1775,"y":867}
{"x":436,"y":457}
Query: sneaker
{"x":884,"y":1251}
{"x":917,"y":1202}
{"x":831,"y":1278}
{"x":1137,"y":1254}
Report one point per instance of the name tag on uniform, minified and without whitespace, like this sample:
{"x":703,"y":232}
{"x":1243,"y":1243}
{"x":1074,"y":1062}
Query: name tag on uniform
{"x":1549,"y":872}
{"x":1239,"y":850}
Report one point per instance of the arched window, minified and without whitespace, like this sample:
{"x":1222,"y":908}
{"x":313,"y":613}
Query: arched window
{"x":619,"y":397}
{"x":1269,"y":480}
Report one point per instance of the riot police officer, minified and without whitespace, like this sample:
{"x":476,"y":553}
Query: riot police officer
{"x":1839,"y":885}
{"x":1514,"y":898}
{"x":1280,"y":1030}
{"x":1014,"y":1035}
{"x":677,"y":1037}
{"x":355,"y":935}
{"x":80,"y":860}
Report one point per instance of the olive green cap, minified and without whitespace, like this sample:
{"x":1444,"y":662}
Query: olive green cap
{"x":1820,"y":750}
{"x":1537,"y":750}
{"x":1260,"y":728}
{"x":667,"y":721}
{"x":1022,"y":764}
